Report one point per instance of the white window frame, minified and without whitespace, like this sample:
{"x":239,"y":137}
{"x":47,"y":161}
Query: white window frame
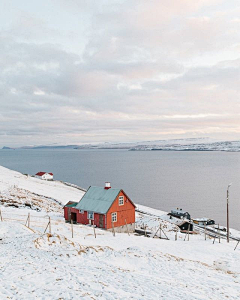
{"x":114,"y":217}
{"x":90,"y":213}
{"x":120,"y":200}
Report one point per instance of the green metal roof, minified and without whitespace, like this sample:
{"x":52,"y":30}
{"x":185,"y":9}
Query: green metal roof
{"x":98,"y":199}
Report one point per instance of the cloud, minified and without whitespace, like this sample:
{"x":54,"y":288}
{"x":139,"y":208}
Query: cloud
{"x":121,"y":70}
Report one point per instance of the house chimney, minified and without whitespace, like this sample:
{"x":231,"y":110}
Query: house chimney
{"x":107,"y":185}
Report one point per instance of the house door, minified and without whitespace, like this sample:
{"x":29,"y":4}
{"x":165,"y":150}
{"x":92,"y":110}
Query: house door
{"x":74,"y":217}
{"x":101,"y":225}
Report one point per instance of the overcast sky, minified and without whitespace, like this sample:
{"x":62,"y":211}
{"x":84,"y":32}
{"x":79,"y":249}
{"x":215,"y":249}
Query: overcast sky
{"x":74,"y":71}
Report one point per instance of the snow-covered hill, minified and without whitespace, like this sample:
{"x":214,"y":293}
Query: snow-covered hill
{"x":54,"y":189}
{"x":188,"y":144}
{"x":38,"y":265}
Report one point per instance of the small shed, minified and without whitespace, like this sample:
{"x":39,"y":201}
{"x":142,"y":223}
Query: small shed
{"x":44,"y":175}
{"x":68,"y":214}
{"x":104,"y":207}
{"x":184,"y":224}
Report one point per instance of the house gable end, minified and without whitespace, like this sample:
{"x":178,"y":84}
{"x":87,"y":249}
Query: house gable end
{"x":121,"y":214}
{"x":116,"y":199}
{"x":128,"y":198}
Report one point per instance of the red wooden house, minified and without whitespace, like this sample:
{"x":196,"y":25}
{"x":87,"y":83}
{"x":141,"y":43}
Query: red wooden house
{"x":104,"y":207}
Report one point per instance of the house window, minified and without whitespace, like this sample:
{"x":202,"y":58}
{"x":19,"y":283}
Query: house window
{"x":90,"y":215}
{"x":121,"y":200}
{"x":114,"y":217}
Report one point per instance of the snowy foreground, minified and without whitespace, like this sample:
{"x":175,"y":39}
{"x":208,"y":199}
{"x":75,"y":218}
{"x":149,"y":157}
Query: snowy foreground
{"x":54,"y":265}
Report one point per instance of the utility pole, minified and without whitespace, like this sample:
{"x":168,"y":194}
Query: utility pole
{"x":228,"y":212}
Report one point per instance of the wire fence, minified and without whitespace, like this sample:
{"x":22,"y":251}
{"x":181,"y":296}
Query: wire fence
{"x":46,"y":224}
{"x":43,"y":224}
{"x":35,"y":223}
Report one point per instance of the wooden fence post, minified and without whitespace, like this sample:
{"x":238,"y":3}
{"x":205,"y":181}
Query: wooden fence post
{"x":127,"y":226}
{"x":28,"y":220}
{"x":205,"y":231}
{"x":94,"y":232}
{"x":1,"y":215}
{"x":236,"y":245}
{"x":176,"y":229}
{"x":113,"y":230}
{"x":49,"y":225}
{"x":214,"y":239}
{"x":219,"y":235}
{"x":46,"y":227}
{"x":156,"y":232}
{"x":188,"y":231}
{"x":163,"y":232}
{"x":72,"y":227}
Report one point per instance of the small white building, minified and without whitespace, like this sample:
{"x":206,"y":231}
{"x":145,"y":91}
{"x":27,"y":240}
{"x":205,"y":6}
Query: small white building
{"x":44,"y":175}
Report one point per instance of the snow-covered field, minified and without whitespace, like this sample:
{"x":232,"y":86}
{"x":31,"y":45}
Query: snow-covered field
{"x":38,"y":265}
{"x":52,"y":189}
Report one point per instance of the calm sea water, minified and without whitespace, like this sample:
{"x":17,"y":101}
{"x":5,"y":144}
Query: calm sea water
{"x":194,"y":181}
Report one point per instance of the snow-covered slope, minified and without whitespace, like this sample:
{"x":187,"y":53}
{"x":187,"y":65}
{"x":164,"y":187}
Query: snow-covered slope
{"x":38,"y":265}
{"x":190,"y":145}
{"x":53,"y":189}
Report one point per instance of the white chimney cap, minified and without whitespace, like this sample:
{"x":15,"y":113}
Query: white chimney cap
{"x":107,"y":185}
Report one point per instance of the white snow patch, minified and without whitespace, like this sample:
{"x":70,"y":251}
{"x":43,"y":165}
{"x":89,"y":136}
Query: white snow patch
{"x":53,"y":189}
{"x":54,"y":265}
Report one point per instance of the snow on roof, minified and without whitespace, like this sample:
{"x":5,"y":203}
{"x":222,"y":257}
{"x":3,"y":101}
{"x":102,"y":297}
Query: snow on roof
{"x":179,"y":211}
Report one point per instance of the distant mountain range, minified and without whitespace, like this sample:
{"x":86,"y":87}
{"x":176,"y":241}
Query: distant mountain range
{"x":202,"y":144}
{"x":42,"y":147}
